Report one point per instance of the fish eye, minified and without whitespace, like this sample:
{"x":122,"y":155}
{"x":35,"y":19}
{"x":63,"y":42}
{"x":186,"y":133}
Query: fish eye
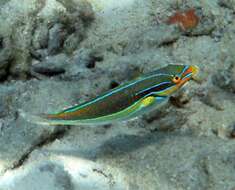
{"x":176,"y":79}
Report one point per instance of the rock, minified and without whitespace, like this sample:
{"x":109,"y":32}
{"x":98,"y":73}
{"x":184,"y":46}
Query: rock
{"x":39,"y":54}
{"x":165,"y":119}
{"x":22,"y":135}
{"x":41,"y":36}
{"x":1,"y":42}
{"x":225,"y":78}
{"x":206,"y":24}
{"x":52,"y":65}
{"x":77,"y":68}
{"x":82,"y":57}
{"x":57,"y":35}
{"x":69,"y":23}
{"x":20,"y":71}
{"x":196,"y":54}
{"x":83,"y":9}
{"x":153,"y":38}
{"x":86,"y":58}
{"x":127,"y":67}
{"x":71,"y":43}
{"x":70,"y":20}
{"x":21,"y":43}
{"x":181,"y":98}
{"x":5,"y":61}
{"x":209,"y":97}
{"x":4,"y":2}
{"x":230,"y":4}
{"x":3,"y":110}
{"x":88,"y":176}
{"x":59,"y":179}
{"x":232,"y":131}
{"x":185,"y":144}
{"x":3,"y":74}
{"x":5,"y":58}
{"x":86,"y":12}
{"x":5,"y":101}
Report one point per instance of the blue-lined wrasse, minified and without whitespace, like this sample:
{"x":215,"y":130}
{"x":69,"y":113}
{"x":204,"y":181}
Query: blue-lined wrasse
{"x":124,"y":102}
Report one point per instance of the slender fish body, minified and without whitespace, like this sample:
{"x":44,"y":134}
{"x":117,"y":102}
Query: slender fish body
{"x":124,"y":102}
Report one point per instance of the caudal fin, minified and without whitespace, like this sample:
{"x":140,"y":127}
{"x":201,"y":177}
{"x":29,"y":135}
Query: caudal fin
{"x":45,"y":119}
{"x":37,"y":119}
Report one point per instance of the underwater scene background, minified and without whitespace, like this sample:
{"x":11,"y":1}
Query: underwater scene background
{"x":58,"y":53}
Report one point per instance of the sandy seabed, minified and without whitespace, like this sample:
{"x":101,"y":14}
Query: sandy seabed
{"x":56,"y":53}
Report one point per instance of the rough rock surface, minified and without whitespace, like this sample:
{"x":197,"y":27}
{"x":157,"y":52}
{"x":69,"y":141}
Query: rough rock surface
{"x":56,"y":53}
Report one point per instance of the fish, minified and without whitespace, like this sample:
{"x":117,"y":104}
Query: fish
{"x":124,"y":102}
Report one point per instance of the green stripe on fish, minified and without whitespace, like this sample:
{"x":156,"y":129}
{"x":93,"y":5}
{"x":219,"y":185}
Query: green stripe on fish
{"x":126,"y":101}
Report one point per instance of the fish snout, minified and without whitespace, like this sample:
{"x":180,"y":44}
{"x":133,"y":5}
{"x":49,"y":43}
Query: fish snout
{"x":195,"y":70}
{"x":190,"y":73}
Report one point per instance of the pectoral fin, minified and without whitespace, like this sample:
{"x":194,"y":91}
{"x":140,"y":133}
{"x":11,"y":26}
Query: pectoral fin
{"x":148,"y":101}
{"x":153,"y":101}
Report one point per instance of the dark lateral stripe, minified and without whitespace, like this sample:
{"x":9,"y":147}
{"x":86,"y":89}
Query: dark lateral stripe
{"x":100,"y":98}
{"x":160,"y":87}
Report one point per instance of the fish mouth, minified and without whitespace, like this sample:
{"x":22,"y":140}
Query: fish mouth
{"x":195,"y":71}
{"x":189,"y":74}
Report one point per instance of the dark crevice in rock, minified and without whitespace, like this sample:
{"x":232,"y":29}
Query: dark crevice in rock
{"x":191,"y":35}
{"x":38,"y":76}
{"x":98,"y":58}
{"x":175,"y":101}
{"x":108,"y":176}
{"x":1,"y":42}
{"x":168,"y":43}
{"x":93,"y":59}
{"x":42,"y":142}
{"x":50,"y":73}
{"x":91,"y":64}
{"x":232,"y":132}
{"x":113,"y":84}
{"x":180,"y":99}
{"x":59,"y":134}
{"x":5,"y":76}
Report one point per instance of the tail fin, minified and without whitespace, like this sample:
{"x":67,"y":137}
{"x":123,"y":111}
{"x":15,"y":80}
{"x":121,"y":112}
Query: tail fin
{"x":37,"y":119}
{"x":45,"y":119}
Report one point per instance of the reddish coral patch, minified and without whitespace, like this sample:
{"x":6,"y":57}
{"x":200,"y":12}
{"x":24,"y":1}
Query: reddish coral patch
{"x":186,"y":20}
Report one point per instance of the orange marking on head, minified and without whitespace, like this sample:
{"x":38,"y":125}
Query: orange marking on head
{"x":182,"y":82}
{"x":192,"y":69}
{"x":189,"y":70}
